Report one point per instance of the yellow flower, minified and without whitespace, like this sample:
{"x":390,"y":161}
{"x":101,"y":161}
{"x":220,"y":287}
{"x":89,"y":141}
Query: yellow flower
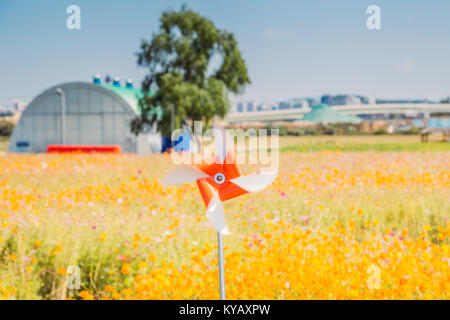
{"x":126,"y":268}
{"x":365,"y":195}
{"x":109,"y":288}
{"x":152,"y":257}
{"x":86,"y":295}
{"x":13,"y":257}
{"x":115,"y":295}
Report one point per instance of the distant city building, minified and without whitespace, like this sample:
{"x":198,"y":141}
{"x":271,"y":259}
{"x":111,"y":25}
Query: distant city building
{"x":264,"y":106}
{"x":4,"y":111}
{"x":313,"y":101}
{"x":299,"y":103}
{"x":19,"y":105}
{"x":340,"y":100}
{"x":327,"y":99}
{"x":366,"y":100}
{"x":250,"y":106}
{"x":350,"y":99}
{"x":284,"y":105}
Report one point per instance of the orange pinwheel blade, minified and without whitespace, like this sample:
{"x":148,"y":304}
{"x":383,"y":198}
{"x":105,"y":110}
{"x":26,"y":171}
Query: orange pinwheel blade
{"x":227,"y":190}
{"x":205,"y":191}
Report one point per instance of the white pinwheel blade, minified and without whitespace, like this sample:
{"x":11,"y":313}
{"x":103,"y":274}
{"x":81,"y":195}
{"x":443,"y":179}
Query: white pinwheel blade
{"x":255,"y":182}
{"x":216,"y":215}
{"x":183,"y":174}
{"x":223,"y":143}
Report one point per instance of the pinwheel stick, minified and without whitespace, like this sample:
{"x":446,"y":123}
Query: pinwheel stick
{"x":219,"y":181}
{"x":221,"y":265}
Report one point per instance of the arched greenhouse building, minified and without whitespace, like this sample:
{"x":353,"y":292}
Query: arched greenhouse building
{"x":95,"y":114}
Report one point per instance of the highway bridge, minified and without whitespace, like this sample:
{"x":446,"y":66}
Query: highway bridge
{"x":363,"y":110}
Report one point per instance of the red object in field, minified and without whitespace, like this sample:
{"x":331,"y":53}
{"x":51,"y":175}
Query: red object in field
{"x":58,"y":148}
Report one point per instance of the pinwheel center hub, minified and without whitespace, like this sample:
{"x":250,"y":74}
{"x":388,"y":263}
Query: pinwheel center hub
{"x":219,"y":178}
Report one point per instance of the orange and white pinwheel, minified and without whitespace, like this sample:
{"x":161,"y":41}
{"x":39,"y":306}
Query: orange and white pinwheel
{"x":220,"y":180}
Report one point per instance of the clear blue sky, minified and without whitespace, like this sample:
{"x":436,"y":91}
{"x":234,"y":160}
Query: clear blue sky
{"x":292,"y":48}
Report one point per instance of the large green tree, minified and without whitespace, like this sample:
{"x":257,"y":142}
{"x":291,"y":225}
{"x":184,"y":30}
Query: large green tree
{"x":192,"y":66}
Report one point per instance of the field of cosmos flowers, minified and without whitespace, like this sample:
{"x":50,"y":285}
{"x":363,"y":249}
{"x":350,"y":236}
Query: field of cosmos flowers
{"x":334,"y":225}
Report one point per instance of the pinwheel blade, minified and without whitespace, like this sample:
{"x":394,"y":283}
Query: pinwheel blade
{"x":183,"y":174}
{"x":223,"y":143}
{"x":216,"y":215}
{"x":255,"y":182}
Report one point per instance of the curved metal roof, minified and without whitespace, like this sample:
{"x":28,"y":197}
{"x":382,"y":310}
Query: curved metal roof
{"x":131,"y":103}
{"x":131,"y":96}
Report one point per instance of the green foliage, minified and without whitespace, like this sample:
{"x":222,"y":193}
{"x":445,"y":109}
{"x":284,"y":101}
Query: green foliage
{"x":6,"y":128}
{"x":377,"y":147}
{"x":445,"y":100}
{"x":283,"y":131}
{"x":3,"y":143}
{"x":311,"y":132}
{"x":178,"y":59}
{"x":296,"y":132}
{"x":350,"y":129}
{"x":327,"y":129}
{"x":410,"y":131}
{"x":380,"y":131}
